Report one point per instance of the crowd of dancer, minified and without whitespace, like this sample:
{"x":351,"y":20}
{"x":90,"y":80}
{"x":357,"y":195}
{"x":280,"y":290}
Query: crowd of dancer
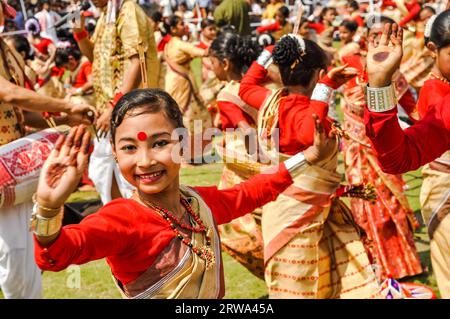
{"x":286,"y":88}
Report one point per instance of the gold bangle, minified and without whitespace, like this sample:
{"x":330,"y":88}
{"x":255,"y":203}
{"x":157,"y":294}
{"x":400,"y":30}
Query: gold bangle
{"x":46,"y":226}
{"x":381,"y":99}
{"x":41,"y":207}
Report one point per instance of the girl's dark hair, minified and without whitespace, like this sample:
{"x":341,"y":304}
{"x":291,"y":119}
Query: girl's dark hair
{"x":440,"y":31}
{"x":21,"y":44}
{"x":284,"y":11}
{"x":156,"y":16}
{"x":325,"y":11}
{"x":350,"y":25}
{"x":354,"y":5}
{"x":241,"y":51}
{"x":207,"y":22}
{"x":62,"y":55}
{"x":296,"y":69}
{"x":147,"y":101}
{"x":173,"y":22}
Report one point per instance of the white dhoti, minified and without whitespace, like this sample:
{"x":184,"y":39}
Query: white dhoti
{"x":20,"y":277}
{"x":102,"y":169}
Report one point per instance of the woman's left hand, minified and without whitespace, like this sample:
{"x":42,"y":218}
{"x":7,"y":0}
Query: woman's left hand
{"x":342,"y":74}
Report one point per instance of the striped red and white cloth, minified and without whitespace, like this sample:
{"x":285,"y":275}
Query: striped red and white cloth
{"x":21,"y":162}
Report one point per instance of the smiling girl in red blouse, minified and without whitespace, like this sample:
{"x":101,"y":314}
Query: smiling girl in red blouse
{"x":163,"y":241}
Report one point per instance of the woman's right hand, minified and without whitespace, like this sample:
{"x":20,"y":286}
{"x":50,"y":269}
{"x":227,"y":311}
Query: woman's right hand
{"x":64,"y":167}
{"x":384,"y":58}
{"x":324,"y":146}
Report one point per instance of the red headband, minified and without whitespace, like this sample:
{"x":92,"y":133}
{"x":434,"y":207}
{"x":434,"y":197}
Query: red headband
{"x":8,"y":11}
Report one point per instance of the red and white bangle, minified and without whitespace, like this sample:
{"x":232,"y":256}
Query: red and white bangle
{"x":116,"y":99}
{"x":322,"y":92}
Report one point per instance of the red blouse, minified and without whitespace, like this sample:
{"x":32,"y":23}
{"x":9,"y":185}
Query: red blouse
{"x":131,"y":236}
{"x":43,"y":45}
{"x":432,"y":92}
{"x":162,"y":43}
{"x":269,"y":28}
{"x":319,"y":27}
{"x":231,"y":115}
{"x":295,"y":119}
{"x":83,"y":75}
{"x":402,"y":151}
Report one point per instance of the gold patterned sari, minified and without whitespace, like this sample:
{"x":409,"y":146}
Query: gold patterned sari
{"x":190,"y":279}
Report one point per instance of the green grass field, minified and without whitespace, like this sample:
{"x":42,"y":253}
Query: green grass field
{"x":94,"y":280}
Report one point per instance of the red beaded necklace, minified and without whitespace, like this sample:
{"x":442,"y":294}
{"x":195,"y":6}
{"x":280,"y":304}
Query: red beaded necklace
{"x":204,"y":252}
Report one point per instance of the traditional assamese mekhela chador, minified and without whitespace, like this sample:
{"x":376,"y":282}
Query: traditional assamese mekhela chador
{"x":312,"y":247}
{"x":180,"y":83}
{"x":242,"y":238}
{"x":389,"y":221}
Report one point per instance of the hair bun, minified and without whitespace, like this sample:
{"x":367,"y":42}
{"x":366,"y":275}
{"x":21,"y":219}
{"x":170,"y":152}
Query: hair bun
{"x":286,"y":51}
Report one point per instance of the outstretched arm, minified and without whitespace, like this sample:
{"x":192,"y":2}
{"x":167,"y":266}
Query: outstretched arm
{"x":245,"y":197}
{"x":82,"y":37}
{"x":32,"y":101}
{"x":251,"y":90}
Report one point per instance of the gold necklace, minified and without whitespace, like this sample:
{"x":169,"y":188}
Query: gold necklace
{"x":440,"y":78}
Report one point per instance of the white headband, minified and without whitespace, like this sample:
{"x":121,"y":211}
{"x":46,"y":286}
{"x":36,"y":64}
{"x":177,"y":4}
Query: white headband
{"x":299,"y":40}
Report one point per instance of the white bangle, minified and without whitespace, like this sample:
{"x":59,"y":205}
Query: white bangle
{"x":79,"y":91}
{"x":322,"y":93}
{"x":265,"y":59}
{"x":296,"y":164}
{"x":381,"y":99}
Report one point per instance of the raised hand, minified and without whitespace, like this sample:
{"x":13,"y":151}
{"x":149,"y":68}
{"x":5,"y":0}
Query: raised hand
{"x":82,"y":114}
{"x":64,"y":167}
{"x":104,"y":121}
{"x":384,"y":58}
{"x":342,"y":74}
{"x":324,"y":146}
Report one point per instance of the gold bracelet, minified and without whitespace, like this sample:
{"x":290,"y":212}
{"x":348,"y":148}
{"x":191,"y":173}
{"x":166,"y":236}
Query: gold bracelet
{"x":381,"y":99}
{"x":44,"y":226}
{"x":47,"y":209}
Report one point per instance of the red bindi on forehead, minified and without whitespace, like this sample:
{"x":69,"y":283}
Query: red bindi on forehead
{"x":142,"y":136}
